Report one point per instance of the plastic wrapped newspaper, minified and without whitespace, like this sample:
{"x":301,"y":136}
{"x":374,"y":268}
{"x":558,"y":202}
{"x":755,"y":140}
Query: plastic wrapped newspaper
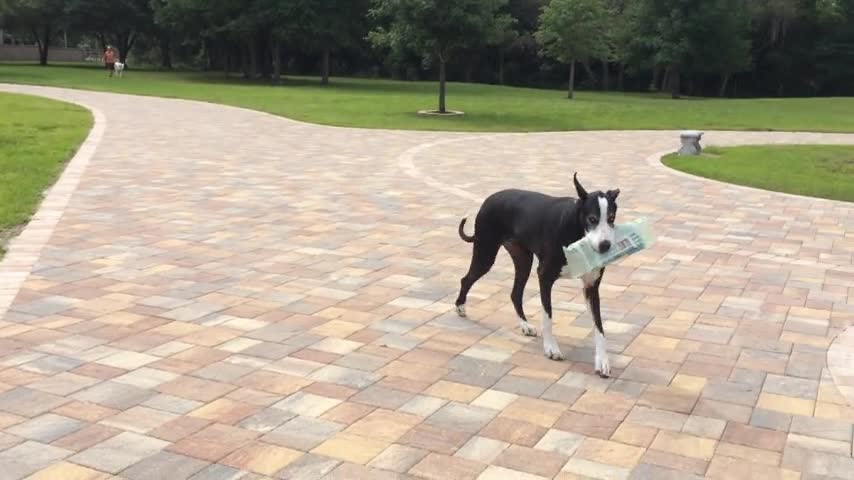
{"x":630,"y":238}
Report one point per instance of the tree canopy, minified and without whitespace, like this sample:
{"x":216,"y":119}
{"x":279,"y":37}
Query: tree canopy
{"x":40,"y":19}
{"x":437,"y":29}
{"x":572,"y":30}
{"x":709,"y":47}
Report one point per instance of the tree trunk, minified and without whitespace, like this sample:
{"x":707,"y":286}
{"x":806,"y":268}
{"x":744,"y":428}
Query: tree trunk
{"x":469,"y":71}
{"x":253,"y":60}
{"x":42,"y":53}
{"x":206,"y":54}
{"x":586,"y":65}
{"x":277,"y":60}
{"x":265,"y":60}
{"x":122,"y":44}
{"x":621,"y":74}
{"x":165,"y":51}
{"x":665,"y":81}
{"x":325,"y":67}
{"x":229,"y":58}
{"x":441,"y":85}
{"x":656,"y":72}
{"x":675,"y":82}
{"x":126,"y":41}
{"x":244,"y":61}
{"x":44,"y":44}
{"x":570,"y":94}
{"x":606,"y":77}
{"x":501,"y":66}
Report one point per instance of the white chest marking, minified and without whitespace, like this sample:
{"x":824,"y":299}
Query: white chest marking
{"x":589,"y":279}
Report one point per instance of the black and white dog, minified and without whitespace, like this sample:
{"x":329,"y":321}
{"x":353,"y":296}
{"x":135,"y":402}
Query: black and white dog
{"x":530,"y":223}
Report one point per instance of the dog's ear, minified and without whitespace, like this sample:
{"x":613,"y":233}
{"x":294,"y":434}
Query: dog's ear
{"x":582,"y":193}
{"x":613,"y":194}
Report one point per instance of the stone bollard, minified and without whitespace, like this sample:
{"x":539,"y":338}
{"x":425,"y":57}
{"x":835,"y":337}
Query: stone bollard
{"x":690,"y":142}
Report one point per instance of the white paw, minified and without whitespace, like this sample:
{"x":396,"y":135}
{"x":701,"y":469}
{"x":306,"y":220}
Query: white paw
{"x":600,"y":358}
{"x":527,"y":329}
{"x":461,"y":310}
{"x":551,"y":349}
{"x":603,"y":368}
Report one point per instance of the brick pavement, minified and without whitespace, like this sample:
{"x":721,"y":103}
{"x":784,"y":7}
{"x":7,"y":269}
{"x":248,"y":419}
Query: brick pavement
{"x":228,"y":294}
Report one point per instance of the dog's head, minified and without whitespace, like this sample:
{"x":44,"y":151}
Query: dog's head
{"x":596,"y":214}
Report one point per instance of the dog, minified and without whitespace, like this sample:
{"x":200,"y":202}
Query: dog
{"x":529,"y":224}
{"x":119,"y":68}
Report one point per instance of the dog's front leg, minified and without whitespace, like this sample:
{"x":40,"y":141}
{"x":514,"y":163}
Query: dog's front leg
{"x":550,"y":347}
{"x":591,"y":293}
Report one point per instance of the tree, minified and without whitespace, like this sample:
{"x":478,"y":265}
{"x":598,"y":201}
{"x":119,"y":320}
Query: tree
{"x":38,"y":18}
{"x":311,"y":25}
{"x":573,"y":30}
{"x":619,"y":36}
{"x":504,"y":39}
{"x":275,"y":17}
{"x":665,"y":26}
{"x":835,"y":50}
{"x":113,"y":22}
{"x":329,"y":25}
{"x":687,"y":36}
{"x":471,"y":54}
{"x":163,"y":30}
{"x":192,"y":18}
{"x":244,"y":21}
{"x":785,"y":36}
{"x":722,"y":41}
{"x":518,"y":60}
{"x":435,"y":28}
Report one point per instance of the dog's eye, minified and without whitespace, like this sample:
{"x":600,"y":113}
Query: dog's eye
{"x":611,"y":218}
{"x":592,"y":220}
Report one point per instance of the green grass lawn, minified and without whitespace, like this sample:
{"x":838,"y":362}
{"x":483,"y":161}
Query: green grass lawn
{"x":825,"y":171}
{"x":391,"y":104}
{"x":37,"y":137}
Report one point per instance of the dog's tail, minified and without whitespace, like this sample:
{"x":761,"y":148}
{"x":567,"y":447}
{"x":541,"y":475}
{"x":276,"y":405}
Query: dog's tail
{"x":462,"y":232}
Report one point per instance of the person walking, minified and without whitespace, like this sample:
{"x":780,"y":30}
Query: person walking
{"x":110,"y":55}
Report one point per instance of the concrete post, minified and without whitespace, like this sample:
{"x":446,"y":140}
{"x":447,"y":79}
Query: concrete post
{"x":690,"y":142}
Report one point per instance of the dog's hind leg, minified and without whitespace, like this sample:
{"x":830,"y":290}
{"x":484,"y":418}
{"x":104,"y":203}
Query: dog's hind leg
{"x":550,"y":347}
{"x":523,"y":259}
{"x":482,"y":259}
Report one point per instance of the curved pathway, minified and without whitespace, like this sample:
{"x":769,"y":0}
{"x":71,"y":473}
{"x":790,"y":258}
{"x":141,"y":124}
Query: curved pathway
{"x":219,"y":294}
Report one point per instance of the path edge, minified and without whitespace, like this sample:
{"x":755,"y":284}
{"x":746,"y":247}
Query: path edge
{"x":655,"y":160}
{"x":24,"y":251}
{"x":839,"y":358}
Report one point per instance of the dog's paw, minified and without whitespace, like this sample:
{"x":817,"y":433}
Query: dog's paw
{"x":527,"y":329}
{"x":461,"y":310}
{"x":602,"y":366}
{"x":551,"y":349}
